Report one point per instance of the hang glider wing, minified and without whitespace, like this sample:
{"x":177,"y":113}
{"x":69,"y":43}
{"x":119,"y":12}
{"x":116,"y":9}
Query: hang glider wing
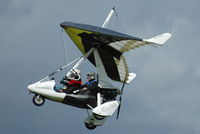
{"x":110,"y":45}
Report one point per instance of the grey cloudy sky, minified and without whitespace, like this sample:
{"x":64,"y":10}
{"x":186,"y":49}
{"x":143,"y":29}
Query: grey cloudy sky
{"x":164,"y":98}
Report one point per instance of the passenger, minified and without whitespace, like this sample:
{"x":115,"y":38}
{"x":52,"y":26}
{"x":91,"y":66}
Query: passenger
{"x":71,"y":82}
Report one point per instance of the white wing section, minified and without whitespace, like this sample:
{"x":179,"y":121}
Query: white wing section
{"x":131,"y":76}
{"x":160,"y":39}
{"x":126,"y":45}
{"x":104,"y":80}
{"x":122,"y":67}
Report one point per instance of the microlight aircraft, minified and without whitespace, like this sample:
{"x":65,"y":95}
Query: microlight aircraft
{"x":104,"y":48}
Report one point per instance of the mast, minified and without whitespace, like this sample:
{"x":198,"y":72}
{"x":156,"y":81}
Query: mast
{"x":92,"y":50}
{"x":108,"y":17}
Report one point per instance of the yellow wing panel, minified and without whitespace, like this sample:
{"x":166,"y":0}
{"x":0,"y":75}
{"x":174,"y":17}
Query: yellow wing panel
{"x":74,"y":35}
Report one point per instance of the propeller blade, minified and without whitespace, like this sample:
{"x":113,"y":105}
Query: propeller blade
{"x":120,"y":99}
{"x":118,"y":111}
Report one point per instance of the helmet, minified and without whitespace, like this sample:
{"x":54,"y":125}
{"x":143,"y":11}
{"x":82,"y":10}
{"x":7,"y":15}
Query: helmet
{"x":76,"y":71}
{"x":91,"y":75}
{"x":73,"y":74}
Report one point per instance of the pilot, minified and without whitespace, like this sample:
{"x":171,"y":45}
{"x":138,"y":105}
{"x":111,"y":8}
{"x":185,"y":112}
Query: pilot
{"x":71,"y":82}
{"x":91,"y":81}
{"x":91,"y":84}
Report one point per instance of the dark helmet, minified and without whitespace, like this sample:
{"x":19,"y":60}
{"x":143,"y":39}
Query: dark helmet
{"x":92,"y":75}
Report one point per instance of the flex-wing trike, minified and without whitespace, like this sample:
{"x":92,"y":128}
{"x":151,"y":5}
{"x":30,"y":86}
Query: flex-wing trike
{"x":104,"y":48}
{"x":101,"y":101}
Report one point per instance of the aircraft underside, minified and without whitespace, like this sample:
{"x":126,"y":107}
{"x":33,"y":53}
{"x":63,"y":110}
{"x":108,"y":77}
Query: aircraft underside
{"x":102,"y":103}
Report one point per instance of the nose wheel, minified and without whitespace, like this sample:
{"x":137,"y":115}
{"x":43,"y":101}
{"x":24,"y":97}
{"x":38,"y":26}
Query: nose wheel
{"x":38,"y":100}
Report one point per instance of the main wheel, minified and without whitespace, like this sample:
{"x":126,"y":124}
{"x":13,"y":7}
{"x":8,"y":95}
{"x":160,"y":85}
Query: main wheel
{"x":38,"y":100}
{"x":90,"y":126}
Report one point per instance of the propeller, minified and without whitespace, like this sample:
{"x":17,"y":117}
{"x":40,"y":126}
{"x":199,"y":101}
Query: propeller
{"x":120,"y":99}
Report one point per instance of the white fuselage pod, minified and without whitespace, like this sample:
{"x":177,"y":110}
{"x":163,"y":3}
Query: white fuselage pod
{"x":46,"y":89}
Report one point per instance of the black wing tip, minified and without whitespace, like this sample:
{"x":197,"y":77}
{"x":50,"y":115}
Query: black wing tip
{"x":66,"y":24}
{"x":62,"y":25}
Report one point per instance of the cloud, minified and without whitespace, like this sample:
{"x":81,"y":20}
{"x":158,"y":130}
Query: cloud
{"x":197,"y":72}
{"x":164,"y":97}
{"x":12,"y":8}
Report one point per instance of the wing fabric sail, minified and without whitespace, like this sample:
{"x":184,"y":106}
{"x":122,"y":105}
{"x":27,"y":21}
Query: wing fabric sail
{"x":110,"y":45}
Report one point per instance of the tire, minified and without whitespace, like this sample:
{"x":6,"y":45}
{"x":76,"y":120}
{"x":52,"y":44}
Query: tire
{"x":90,"y":126}
{"x":98,"y":117}
{"x":38,"y":100}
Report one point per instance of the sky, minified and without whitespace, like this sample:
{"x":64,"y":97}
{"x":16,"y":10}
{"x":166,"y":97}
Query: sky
{"x":164,"y":97}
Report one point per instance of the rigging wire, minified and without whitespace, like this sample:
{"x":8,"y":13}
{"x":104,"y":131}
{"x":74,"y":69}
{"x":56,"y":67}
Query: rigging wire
{"x":118,"y":23}
{"x":64,"y":42}
{"x":60,"y":69}
{"x":87,"y":112}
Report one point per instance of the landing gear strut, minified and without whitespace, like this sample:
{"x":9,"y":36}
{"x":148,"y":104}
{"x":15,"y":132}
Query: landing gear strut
{"x":38,"y":100}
